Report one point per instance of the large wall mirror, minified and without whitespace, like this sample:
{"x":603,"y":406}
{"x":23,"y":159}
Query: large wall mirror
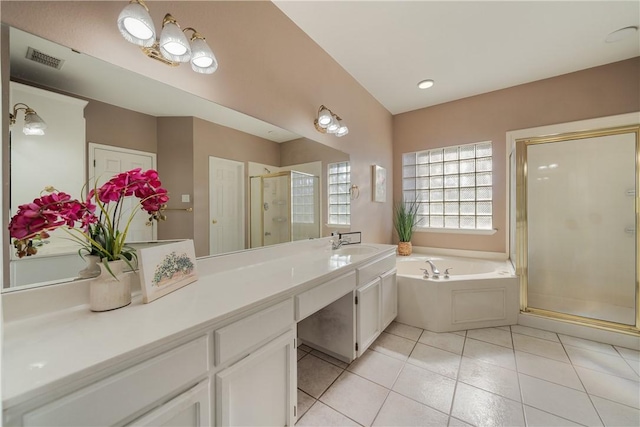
{"x":99,"y":115}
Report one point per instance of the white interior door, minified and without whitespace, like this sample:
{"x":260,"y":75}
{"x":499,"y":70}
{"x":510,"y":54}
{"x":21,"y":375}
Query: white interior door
{"x":105,"y":162}
{"x":226,"y":205}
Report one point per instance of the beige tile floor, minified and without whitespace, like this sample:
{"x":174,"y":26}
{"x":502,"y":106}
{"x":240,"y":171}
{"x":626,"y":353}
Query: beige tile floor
{"x":506,"y":376}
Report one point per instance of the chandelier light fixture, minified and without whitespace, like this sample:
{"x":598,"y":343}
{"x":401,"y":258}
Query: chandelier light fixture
{"x":173,"y":47}
{"x":33,"y":123}
{"x":328,"y":122}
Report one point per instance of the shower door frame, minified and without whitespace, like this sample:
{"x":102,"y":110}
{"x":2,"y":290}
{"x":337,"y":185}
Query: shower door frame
{"x":262,"y":178}
{"x":521,"y":145}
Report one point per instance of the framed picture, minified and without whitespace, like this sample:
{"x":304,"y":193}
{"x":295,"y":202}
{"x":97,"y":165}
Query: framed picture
{"x":379,"y":184}
{"x":165,"y":268}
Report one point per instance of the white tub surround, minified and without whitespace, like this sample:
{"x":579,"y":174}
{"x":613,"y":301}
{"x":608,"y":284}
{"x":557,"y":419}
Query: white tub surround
{"x":228,"y":336}
{"x":479,"y":293}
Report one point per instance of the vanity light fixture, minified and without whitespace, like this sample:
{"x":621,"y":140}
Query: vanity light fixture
{"x":328,"y":122}
{"x":33,"y":123}
{"x":173,"y":47}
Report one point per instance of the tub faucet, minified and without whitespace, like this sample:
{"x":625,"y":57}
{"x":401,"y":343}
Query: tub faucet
{"x":434,"y":269}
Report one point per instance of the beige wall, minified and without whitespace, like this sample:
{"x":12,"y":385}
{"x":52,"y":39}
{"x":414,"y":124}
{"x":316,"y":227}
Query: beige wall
{"x":269,"y":69}
{"x":175,"y":166}
{"x":210,"y":139}
{"x":119,"y":127}
{"x":596,"y":92}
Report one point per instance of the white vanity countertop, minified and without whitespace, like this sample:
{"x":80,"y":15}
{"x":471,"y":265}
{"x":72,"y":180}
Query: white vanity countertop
{"x":72,"y":343}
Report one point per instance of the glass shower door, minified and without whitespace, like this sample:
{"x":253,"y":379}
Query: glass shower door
{"x":581,"y":220}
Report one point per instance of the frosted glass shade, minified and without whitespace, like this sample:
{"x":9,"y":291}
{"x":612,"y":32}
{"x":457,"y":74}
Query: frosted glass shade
{"x":342,"y":131}
{"x":202,"y":58}
{"x":333,"y":126}
{"x":324,"y":118}
{"x":136,"y":26}
{"x":33,"y":124}
{"x":174,"y":45}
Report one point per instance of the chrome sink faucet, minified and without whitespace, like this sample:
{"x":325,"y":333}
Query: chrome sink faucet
{"x":337,"y":243}
{"x":434,"y":270}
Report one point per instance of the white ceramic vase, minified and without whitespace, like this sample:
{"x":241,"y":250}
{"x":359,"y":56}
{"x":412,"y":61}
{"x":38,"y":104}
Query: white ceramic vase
{"x":92,"y":269}
{"x":107,"y":292}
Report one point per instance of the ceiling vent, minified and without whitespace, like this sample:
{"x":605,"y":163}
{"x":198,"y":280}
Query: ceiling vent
{"x":44,"y":59}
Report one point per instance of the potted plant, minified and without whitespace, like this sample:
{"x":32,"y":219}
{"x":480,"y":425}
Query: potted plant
{"x":98,"y":224}
{"x":404,"y":221}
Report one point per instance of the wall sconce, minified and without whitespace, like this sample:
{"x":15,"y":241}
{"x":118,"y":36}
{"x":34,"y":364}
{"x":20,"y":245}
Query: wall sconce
{"x":174,"y":47}
{"x":33,"y":123}
{"x":328,"y":122}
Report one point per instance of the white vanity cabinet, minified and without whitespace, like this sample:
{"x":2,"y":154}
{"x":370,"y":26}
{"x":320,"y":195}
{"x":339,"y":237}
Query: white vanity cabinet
{"x":261,"y":388}
{"x":255,"y":361}
{"x":368,"y":315}
{"x":221,"y":351}
{"x":348,"y":326}
{"x":389,"y":290}
{"x":376,"y":300}
{"x":123,"y":396}
{"x":191,"y":409}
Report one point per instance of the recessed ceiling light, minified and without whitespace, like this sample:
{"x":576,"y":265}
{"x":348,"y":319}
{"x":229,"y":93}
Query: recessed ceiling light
{"x":425,"y":84}
{"x":620,"y":34}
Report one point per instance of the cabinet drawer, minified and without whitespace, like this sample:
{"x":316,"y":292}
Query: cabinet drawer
{"x":370,"y":271}
{"x":111,"y":400}
{"x":240,"y":336}
{"x":314,"y":299}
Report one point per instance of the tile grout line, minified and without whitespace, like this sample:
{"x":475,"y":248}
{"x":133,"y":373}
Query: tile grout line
{"x":405,"y":363}
{"x":397,"y":376}
{"x":455,"y":387}
{"x":515,"y":359}
{"x":581,"y":382}
{"x":322,"y":394}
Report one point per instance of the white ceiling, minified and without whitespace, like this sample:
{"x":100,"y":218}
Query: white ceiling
{"x":468,"y":48}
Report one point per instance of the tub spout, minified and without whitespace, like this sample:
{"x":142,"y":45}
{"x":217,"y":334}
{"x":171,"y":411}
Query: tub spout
{"x":434,"y":269}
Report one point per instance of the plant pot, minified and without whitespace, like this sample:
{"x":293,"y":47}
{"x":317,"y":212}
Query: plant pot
{"x":92,"y":269}
{"x":107,"y":292}
{"x":404,"y":248}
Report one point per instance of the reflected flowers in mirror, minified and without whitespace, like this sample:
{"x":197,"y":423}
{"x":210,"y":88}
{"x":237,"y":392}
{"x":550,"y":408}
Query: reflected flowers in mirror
{"x":98,"y":224}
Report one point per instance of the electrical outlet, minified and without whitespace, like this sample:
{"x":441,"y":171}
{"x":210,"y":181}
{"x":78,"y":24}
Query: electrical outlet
{"x":186,"y":198}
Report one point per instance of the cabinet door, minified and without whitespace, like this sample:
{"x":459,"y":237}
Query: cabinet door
{"x":261,"y":388}
{"x":389,"y":298}
{"x":368,"y":309}
{"x":191,"y":408}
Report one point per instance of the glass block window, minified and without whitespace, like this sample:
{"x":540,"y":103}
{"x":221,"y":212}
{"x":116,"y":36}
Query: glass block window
{"x":339,"y":177}
{"x":452,"y":186}
{"x":302,"y":200}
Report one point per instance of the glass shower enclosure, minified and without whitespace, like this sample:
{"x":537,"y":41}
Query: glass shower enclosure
{"x":577,"y":213}
{"x":285,"y":207}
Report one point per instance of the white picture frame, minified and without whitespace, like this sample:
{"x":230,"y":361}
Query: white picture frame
{"x":166,"y":268}
{"x":379,"y":184}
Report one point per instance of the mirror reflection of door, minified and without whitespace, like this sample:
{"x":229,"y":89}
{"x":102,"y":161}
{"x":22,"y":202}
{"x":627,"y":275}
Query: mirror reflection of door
{"x":226,"y":205}
{"x":107,"y":161}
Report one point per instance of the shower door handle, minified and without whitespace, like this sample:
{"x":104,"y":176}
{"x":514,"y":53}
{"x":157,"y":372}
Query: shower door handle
{"x":630,"y":230}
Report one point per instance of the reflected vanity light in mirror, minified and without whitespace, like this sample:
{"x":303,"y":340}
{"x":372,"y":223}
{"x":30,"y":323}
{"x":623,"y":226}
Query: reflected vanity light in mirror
{"x":174,"y":47}
{"x":33,"y":123}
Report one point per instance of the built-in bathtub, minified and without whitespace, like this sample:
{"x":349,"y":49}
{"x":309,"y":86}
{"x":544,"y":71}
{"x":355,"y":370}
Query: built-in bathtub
{"x":478,"y":293}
